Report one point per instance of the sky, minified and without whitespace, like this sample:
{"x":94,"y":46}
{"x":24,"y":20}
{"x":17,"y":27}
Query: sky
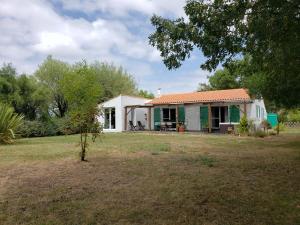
{"x":111,"y":31}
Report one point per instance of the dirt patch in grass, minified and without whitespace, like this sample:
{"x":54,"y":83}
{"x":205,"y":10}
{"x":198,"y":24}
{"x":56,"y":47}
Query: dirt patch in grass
{"x":188,"y":180}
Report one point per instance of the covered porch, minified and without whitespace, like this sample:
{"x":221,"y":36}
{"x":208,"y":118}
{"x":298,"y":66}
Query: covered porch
{"x":133,"y":121}
{"x":204,"y":117}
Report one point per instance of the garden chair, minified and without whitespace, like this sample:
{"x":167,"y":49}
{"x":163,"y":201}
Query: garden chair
{"x":131,"y":126}
{"x":141,"y":126}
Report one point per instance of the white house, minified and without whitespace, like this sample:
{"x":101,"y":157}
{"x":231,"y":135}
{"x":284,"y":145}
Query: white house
{"x":113,"y":117}
{"x":213,"y":111}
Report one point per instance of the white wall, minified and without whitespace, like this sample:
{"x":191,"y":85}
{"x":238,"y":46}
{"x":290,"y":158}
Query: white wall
{"x":113,"y":103}
{"x":257,"y":119}
{"x":119,"y":103}
{"x":192,"y":117}
{"x":139,"y":113}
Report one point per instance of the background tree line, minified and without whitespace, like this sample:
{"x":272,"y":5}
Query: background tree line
{"x":41,"y":99}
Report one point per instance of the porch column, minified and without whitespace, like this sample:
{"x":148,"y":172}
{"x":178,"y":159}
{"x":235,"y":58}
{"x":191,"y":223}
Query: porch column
{"x":209,"y":118}
{"x":149,"y":118}
{"x":125,"y":119}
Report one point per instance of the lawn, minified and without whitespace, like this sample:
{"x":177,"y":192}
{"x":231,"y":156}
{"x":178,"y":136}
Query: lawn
{"x":143,"y":178}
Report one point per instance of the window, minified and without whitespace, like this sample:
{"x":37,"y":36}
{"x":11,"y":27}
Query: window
{"x":169,"y":114}
{"x":257,"y":111}
{"x":110,"y":118}
{"x":106,"y":119}
{"x":262,"y":113}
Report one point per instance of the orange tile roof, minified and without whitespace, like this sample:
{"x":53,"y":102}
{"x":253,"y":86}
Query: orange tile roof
{"x":230,"y":95}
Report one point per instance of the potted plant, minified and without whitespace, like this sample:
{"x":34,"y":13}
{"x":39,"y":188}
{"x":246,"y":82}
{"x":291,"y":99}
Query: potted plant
{"x":180,"y":127}
{"x":205,"y":127}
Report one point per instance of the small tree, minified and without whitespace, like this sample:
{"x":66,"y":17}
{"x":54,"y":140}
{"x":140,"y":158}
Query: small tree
{"x":82,"y":92}
{"x":243,"y":126}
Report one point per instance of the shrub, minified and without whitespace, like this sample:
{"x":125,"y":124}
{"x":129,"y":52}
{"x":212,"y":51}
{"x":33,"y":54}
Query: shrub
{"x":9,"y":122}
{"x":36,"y":129}
{"x":65,"y":126}
{"x":50,"y":127}
{"x":294,"y":115}
{"x":243,"y":126}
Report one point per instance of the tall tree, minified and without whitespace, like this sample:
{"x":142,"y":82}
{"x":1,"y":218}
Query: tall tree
{"x":23,"y":93}
{"x":82,"y":91}
{"x":8,"y":84}
{"x":146,"y":94}
{"x":268,"y":30}
{"x":50,"y":73}
{"x":31,"y":99}
{"x":113,"y":80}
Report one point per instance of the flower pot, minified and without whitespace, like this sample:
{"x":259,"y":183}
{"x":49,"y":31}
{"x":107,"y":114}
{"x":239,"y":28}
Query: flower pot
{"x":181,"y":129}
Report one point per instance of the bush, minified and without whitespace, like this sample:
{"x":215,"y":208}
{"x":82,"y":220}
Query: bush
{"x":51,"y":127}
{"x":294,"y":115}
{"x":37,"y":129}
{"x":243,"y":126}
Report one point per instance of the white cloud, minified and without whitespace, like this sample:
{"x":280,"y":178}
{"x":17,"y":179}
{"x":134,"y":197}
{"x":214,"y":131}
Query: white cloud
{"x":33,"y":29}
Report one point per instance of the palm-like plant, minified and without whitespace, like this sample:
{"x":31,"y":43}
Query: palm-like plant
{"x":9,"y":122}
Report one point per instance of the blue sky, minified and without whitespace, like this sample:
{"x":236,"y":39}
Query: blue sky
{"x":113,"y":31}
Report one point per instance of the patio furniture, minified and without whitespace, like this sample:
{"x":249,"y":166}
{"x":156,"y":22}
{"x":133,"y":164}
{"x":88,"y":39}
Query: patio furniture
{"x":157,"y":126}
{"x":131,"y":126}
{"x":141,"y":126}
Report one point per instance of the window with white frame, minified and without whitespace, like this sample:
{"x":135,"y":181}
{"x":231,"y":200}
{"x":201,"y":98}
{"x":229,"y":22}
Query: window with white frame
{"x":257,"y":111}
{"x":169,"y":114}
{"x":262,"y":113}
{"x":109,"y":118}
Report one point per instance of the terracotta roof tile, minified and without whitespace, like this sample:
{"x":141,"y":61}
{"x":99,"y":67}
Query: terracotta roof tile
{"x":205,"y":96}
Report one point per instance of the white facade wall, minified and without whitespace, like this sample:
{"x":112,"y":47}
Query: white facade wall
{"x":113,"y":103}
{"x":135,"y":115}
{"x":119,"y":103}
{"x":254,"y":115}
{"x":192,"y":117}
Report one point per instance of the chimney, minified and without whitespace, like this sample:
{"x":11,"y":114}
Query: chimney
{"x":158,"y":93}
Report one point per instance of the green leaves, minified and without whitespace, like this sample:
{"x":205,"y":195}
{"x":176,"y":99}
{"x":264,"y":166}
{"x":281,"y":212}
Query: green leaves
{"x":222,"y":30}
{"x":9,"y":121}
{"x":82,"y":91}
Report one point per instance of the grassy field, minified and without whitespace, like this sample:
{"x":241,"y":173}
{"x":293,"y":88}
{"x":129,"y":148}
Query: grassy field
{"x":142,"y":178}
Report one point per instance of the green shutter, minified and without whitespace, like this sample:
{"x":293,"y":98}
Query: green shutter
{"x":234,"y":114}
{"x":181,"y":114}
{"x":204,"y":117}
{"x":156,"y":118}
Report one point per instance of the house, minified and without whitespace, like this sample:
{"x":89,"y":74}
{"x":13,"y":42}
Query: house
{"x":212,"y":111}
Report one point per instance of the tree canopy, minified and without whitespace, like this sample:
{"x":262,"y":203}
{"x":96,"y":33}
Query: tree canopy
{"x":50,"y":73}
{"x":268,"y":30}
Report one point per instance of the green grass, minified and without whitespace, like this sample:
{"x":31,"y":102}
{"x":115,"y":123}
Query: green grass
{"x":143,"y":178}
